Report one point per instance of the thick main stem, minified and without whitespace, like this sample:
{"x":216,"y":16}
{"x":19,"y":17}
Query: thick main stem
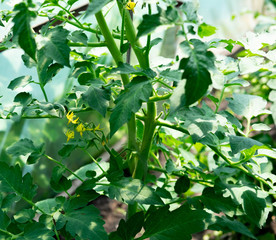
{"x":116,"y":54}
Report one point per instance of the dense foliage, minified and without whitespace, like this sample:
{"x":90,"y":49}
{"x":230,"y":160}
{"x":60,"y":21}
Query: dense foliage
{"x":206,"y":116}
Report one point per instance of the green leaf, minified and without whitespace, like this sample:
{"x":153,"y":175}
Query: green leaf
{"x":260,"y":127}
{"x":133,"y":190}
{"x":217,"y":203}
{"x":95,"y":6}
{"x":84,"y":223}
{"x":24,"y":215}
{"x":178,"y":224}
{"x":171,"y":75}
{"x":55,"y":44}
{"x":36,"y":231}
{"x":24,"y":147}
{"x":182,"y":184}
{"x":129,"y":101}
{"x":190,"y":8}
{"x":196,"y":70}
{"x":4,"y":221}
{"x":78,"y":36}
{"x":238,"y":143}
{"x":205,"y":30}
{"x":1,"y":24}
{"x":23,"y":98}
{"x":22,"y":29}
{"x":151,"y":22}
{"x":253,"y":207}
{"x":248,"y":105}
{"x":20,"y":82}
{"x":97,"y":98}
{"x":128,"y":229}
{"x":59,"y":182}
{"x":226,"y":225}
{"x":11,"y":180}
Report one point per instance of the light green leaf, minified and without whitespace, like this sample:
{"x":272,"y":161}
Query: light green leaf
{"x":205,"y":30}
{"x":125,"y":68}
{"x":129,"y":101}
{"x":248,"y":105}
{"x":11,"y":180}
{"x":23,"y":98}
{"x":78,"y":36}
{"x":97,"y":98}
{"x":84,"y":223}
{"x":36,"y":231}
{"x":95,"y":6}
{"x":178,"y":224}
{"x":22,"y":29}
{"x":272,"y":83}
{"x":4,"y":221}
{"x":133,"y":190}
{"x":171,"y":75}
{"x":196,"y":70}
{"x":20,"y":82}
{"x":55,"y":44}
{"x":24,"y":215}
{"x":260,"y":127}
{"x":190,"y":8}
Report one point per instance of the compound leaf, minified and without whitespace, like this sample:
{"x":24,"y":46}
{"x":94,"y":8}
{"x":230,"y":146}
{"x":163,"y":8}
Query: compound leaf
{"x":129,"y":101}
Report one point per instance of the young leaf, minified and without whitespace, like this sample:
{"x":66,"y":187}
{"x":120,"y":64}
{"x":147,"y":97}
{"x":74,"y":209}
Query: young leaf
{"x":95,"y":6}
{"x":84,"y":223}
{"x":133,"y":190}
{"x":22,"y":29}
{"x":97,"y":98}
{"x":20,"y":82}
{"x":196,"y":70}
{"x":129,"y":101}
{"x":178,"y":224}
{"x":55,"y":44}
{"x":205,"y":30}
{"x":12,"y":181}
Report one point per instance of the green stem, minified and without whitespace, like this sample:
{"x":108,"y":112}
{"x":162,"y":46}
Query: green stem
{"x":55,"y":230}
{"x":63,"y":166}
{"x":89,"y":44}
{"x":8,"y":233}
{"x":160,"y":98}
{"x":41,"y":86}
{"x":220,"y":99}
{"x":70,"y":14}
{"x":94,"y":160}
{"x":148,"y":39}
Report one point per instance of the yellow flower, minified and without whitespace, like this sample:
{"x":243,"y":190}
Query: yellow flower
{"x":70,"y":135}
{"x":97,"y":128}
{"x":130,"y":6}
{"x":80,"y":128}
{"x":70,"y":116}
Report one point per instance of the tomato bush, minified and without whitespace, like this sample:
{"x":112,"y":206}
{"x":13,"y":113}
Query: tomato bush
{"x":198,"y":153}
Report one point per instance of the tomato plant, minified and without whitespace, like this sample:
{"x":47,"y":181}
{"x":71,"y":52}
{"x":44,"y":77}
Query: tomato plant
{"x":205,"y":115}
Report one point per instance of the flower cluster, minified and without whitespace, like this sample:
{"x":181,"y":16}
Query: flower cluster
{"x":130,"y":6}
{"x":72,"y":118}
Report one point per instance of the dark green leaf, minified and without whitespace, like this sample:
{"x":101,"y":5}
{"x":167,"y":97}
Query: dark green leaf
{"x":36,"y":231}
{"x":133,"y":190}
{"x":205,"y":30}
{"x":23,"y":98}
{"x":129,"y":101}
{"x":238,"y":143}
{"x":59,"y":182}
{"x":11,"y":180}
{"x":182,"y":184}
{"x":84,"y":223}
{"x":55,"y":44}
{"x":196,"y":70}
{"x":115,"y":171}
{"x":254,"y":207}
{"x":171,"y":75}
{"x":24,"y":215}
{"x":151,"y":22}
{"x":22,"y":29}
{"x":97,"y":98}
{"x":95,"y":6}
{"x":217,"y":203}
{"x":226,"y":225}
{"x":1,"y":24}
{"x":78,"y":36}
{"x":20,"y":82}
{"x":178,"y":224}
{"x":4,"y":221}
{"x":125,"y":68}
